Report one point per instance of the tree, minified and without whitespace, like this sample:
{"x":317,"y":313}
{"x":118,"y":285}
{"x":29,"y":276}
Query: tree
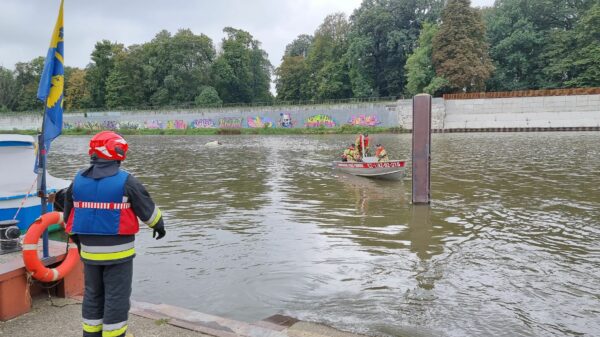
{"x":326,"y":60}
{"x":9,"y":90}
{"x":521,"y":32}
{"x":300,"y":46}
{"x":460,"y":52}
{"x":27,"y":75}
{"x":188,"y":62}
{"x":98,"y":71}
{"x":208,"y":97}
{"x":242,"y":70}
{"x":291,"y":79}
{"x":77,"y":94}
{"x":574,"y":56}
{"x":384,"y":33}
{"x":419,"y":67}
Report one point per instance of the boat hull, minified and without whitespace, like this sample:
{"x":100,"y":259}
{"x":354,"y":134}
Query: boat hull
{"x":393,"y":169}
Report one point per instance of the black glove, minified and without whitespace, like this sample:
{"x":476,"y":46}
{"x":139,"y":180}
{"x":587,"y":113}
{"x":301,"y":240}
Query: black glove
{"x":160,"y":230}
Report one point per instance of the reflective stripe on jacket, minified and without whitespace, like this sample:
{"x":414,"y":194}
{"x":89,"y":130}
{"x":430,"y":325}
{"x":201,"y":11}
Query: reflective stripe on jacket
{"x":99,"y":207}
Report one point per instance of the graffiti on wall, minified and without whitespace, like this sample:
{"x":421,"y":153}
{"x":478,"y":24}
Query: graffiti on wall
{"x":202,"y":123}
{"x":364,"y":120}
{"x":177,"y":124}
{"x":286,"y":121}
{"x":319,"y":120}
{"x":154,"y":124}
{"x":231,"y":123}
{"x":260,"y":122}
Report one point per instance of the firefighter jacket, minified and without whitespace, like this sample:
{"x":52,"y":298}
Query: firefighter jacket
{"x":103,"y":216}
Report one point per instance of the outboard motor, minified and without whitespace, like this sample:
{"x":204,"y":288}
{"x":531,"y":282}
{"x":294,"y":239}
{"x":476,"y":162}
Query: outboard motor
{"x":9,"y":236}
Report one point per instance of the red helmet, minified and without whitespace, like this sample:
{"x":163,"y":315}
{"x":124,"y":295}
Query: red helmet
{"x":108,"y":145}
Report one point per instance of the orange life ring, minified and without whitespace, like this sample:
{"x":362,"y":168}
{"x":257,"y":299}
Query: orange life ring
{"x":30,"y":250}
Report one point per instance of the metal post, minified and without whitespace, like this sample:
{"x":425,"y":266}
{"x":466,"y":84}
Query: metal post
{"x":42,"y":192}
{"x":421,"y":149}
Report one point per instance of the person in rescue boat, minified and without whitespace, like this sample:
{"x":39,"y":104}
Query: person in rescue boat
{"x":381,"y":153}
{"x":348,"y":154}
{"x":360,"y":140}
{"x":102,"y":207}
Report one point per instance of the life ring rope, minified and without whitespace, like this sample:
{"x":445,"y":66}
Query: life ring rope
{"x":31,"y":258}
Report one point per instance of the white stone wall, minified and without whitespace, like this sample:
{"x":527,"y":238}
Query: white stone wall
{"x":405,"y":113}
{"x":24,"y":121}
{"x":523,"y":112}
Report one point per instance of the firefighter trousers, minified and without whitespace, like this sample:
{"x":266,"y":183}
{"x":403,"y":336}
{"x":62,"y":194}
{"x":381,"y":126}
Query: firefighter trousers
{"x":106,"y":299}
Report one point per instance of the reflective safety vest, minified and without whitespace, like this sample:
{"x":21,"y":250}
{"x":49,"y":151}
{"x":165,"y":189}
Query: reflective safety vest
{"x":99,"y":207}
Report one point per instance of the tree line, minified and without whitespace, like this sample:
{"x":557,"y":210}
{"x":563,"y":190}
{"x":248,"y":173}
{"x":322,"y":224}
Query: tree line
{"x":386,"y":48}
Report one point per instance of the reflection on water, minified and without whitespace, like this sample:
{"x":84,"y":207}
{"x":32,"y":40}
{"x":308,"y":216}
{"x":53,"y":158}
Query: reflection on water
{"x":509,"y":247}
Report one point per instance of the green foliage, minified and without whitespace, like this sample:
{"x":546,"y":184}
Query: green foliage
{"x":9,"y":90}
{"x":300,"y":46}
{"x":326,"y":60}
{"x":574,"y":55}
{"x":384,"y":33}
{"x":242,"y":71}
{"x":460,"y":51}
{"x":421,"y":76}
{"x":98,"y":71}
{"x":77,"y":95}
{"x":386,"y":48}
{"x":526,"y":36}
{"x":291,"y":79}
{"x":27,"y":76}
{"x":208,"y":97}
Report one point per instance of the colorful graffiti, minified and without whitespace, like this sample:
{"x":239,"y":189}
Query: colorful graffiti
{"x":177,"y":124}
{"x":320,"y":120}
{"x":154,"y":124}
{"x":260,"y":122}
{"x":364,"y":120}
{"x":231,"y":123}
{"x":286,"y":121}
{"x":202,"y":124}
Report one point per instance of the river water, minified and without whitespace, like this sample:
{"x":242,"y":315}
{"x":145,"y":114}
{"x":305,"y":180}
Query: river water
{"x":261,"y":225}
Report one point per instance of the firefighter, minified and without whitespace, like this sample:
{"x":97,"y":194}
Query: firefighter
{"x":360,"y":140}
{"x":381,"y":153}
{"x":102,"y":207}
{"x":348,"y":154}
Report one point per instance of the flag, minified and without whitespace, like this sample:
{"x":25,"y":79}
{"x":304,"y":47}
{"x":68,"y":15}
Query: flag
{"x":51,"y":89}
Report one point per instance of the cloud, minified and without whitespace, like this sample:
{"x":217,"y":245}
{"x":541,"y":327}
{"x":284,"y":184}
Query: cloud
{"x":25,"y":26}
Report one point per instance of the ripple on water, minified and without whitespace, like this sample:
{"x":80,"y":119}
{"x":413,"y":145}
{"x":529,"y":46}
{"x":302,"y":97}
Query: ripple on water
{"x":260,"y":225}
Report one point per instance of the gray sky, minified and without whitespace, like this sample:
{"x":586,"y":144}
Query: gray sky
{"x":26,"y":25}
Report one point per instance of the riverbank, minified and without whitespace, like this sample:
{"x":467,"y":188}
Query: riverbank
{"x":61,"y":317}
{"x":346,"y":129}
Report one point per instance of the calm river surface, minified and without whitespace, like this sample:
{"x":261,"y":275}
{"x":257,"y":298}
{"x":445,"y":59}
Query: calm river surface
{"x":261,"y":225}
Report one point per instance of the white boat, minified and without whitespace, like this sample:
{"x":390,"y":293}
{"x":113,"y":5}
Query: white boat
{"x":393,"y":169}
{"x":18,"y":181}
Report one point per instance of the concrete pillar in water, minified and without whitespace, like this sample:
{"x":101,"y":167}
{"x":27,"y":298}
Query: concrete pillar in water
{"x":421,"y":149}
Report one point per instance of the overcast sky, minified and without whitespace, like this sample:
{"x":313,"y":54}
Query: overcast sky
{"x":26,"y":25}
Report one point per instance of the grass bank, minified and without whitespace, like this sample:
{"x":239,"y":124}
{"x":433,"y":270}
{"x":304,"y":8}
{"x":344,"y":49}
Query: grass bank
{"x":346,"y":129}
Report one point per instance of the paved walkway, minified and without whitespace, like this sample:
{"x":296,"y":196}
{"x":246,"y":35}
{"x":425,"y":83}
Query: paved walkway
{"x":62,"y":317}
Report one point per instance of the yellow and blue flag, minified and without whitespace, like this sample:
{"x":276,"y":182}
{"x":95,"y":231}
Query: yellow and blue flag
{"x":52,"y":83}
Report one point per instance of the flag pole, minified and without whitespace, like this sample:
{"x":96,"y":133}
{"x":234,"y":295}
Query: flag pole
{"x":41,"y":171}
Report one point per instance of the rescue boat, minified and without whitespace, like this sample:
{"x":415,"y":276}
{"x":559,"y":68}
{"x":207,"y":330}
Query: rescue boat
{"x":18,"y":181}
{"x":371,"y":168}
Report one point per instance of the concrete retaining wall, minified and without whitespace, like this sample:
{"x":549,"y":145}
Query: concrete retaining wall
{"x":576,"y":112}
{"x":363,"y":114}
{"x":524,"y":112}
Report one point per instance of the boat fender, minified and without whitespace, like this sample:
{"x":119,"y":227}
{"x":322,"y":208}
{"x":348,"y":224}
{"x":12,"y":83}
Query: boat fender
{"x":31,"y":258}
